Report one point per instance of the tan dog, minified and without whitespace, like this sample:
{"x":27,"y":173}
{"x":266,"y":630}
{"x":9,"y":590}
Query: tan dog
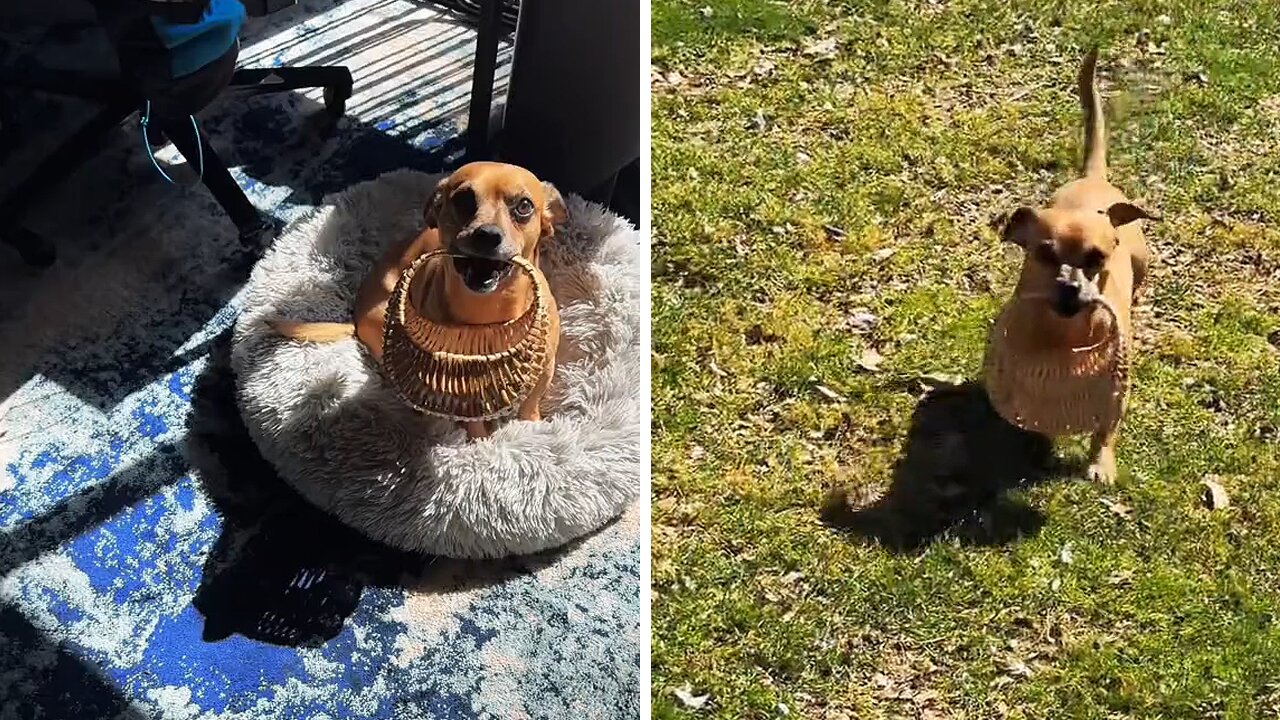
{"x":485,"y":213}
{"x":1085,"y":242}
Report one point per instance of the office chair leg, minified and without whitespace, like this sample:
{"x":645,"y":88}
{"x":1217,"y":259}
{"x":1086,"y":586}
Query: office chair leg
{"x":336,"y":81}
{"x":248,"y":221}
{"x":86,"y":141}
{"x":486,"y":62}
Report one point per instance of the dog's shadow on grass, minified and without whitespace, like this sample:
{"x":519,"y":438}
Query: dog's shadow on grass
{"x":956,"y":478}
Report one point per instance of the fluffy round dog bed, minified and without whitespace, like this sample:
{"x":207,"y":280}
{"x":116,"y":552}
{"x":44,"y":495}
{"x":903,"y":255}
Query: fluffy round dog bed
{"x":323,"y":416}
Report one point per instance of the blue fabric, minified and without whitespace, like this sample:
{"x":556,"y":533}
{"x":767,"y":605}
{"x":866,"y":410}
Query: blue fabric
{"x":194,"y":45}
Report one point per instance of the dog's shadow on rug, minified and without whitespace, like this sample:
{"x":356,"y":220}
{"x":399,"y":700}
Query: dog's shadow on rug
{"x":956,"y":477}
{"x":283,"y":571}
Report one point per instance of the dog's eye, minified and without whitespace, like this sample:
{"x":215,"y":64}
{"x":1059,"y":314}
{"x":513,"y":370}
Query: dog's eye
{"x":524,"y":209}
{"x":464,"y":202}
{"x":1046,"y":254}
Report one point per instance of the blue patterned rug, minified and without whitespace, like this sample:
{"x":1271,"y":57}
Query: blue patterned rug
{"x":151,"y":565}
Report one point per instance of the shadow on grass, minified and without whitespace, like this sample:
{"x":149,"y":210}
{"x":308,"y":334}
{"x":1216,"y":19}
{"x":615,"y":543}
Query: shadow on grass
{"x":955,"y":478}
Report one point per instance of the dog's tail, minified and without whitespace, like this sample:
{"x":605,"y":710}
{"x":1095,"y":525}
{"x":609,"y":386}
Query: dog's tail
{"x":1095,"y":134}
{"x":316,"y":332}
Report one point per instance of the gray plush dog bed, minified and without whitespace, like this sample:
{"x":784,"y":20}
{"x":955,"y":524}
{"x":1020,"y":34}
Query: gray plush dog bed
{"x":322,"y":415}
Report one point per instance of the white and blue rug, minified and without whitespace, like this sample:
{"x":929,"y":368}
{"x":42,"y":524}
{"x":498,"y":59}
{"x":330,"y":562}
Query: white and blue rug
{"x":151,"y":565}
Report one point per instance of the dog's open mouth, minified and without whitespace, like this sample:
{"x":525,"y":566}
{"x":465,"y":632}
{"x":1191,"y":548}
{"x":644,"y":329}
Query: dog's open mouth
{"x":481,"y":275}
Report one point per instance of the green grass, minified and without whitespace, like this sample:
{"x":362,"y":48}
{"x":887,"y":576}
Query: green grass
{"x":818,"y":164}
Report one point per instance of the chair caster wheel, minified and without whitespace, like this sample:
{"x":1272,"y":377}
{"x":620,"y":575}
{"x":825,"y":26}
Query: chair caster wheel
{"x":32,"y":248}
{"x":258,"y":235}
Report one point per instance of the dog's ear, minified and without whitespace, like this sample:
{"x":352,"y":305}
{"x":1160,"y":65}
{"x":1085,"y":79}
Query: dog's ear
{"x":431,"y":213}
{"x":554,"y":214}
{"x":1022,"y":226}
{"x":1123,"y":213}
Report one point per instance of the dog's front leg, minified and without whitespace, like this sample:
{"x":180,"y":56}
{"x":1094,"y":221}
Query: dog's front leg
{"x":476,"y":430}
{"x":1102,"y":457}
{"x":529,"y":409}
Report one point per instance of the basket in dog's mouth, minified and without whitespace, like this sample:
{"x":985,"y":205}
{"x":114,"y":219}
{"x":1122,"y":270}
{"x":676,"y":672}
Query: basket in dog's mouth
{"x":1057,"y":393}
{"x":465,"y":372}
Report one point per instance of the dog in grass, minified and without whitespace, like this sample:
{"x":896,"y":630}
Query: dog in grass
{"x":1084,"y":260}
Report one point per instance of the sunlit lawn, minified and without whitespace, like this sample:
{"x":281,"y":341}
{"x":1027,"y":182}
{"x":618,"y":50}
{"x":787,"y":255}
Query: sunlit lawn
{"x":825,"y":176}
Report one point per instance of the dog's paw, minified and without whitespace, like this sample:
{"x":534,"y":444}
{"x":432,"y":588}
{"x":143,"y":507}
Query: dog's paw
{"x":1101,"y":474}
{"x":1103,"y":469}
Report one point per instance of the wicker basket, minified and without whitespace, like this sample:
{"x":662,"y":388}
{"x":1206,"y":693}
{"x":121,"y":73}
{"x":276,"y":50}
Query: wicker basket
{"x":465,"y":372}
{"x":1055,"y":393}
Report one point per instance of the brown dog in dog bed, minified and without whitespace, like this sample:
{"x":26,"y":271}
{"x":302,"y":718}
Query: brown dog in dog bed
{"x":439,"y":309}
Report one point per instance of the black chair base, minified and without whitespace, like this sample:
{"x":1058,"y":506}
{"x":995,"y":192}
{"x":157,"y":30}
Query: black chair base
{"x":120,"y":103}
{"x":493,"y":17}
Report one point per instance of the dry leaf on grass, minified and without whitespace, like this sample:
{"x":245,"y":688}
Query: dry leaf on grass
{"x":688,"y":699}
{"x":667,"y":503}
{"x":829,"y":394}
{"x":1065,"y":555}
{"x":1120,"y":577}
{"x":933,"y":381}
{"x":870,"y":360}
{"x":1215,"y":496}
{"x":1118,"y":508}
{"x":924,"y":697}
{"x":1016,"y":668}
{"x":889,"y":693}
{"x":824,"y":49}
{"x":860,"y":321}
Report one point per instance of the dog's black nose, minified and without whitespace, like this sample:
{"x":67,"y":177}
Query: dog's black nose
{"x":1066,"y":299}
{"x":483,"y":241}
